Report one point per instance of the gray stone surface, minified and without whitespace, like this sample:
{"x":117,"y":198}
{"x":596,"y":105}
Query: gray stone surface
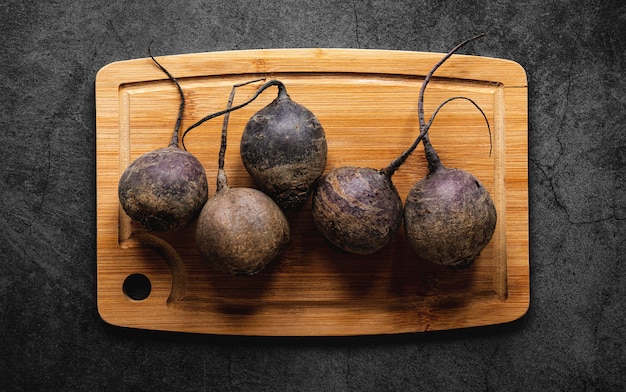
{"x":572,"y":338}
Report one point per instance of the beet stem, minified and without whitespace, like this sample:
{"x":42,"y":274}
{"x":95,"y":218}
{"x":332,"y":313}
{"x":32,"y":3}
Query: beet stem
{"x":222,"y":180}
{"x":174,"y":142}
{"x":434,"y":163}
{"x":420,"y":102}
{"x":396,"y":163}
{"x":237,"y":107}
{"x":432,"y":117}
{"x":282,"y":92}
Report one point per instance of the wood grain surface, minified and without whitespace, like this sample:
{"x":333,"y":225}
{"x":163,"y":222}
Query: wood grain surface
{"x":366,"y":100}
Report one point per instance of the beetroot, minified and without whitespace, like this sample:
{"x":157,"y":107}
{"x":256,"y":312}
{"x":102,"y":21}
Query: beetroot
{"x":164,"y":189}
{"x":283,"y":148}
{"x":449,"y":216}
{"x":357,"y":209}
{"x":240,"y":230}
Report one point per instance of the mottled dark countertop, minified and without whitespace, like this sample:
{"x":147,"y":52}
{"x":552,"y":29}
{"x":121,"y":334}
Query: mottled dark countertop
{"x":572,"y":338}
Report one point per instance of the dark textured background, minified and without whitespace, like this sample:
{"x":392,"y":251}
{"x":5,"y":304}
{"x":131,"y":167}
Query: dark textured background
{"x":572,"y":338}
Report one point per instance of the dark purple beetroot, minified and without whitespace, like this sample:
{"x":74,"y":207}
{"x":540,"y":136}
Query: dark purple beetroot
{"x":240,"y":230}
{"x":449,"y":216}
{"x":164,"y":189}
{"x":284,"y":149}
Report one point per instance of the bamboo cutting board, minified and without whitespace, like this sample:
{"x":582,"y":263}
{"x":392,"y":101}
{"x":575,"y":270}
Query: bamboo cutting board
{"x":366,"y":101}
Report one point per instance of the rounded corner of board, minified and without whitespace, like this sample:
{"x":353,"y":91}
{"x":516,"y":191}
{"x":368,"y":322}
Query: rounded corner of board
{"x":520,"y":73}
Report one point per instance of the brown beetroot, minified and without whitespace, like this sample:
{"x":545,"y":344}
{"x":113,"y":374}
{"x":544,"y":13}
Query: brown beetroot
{"x":240,"y":230}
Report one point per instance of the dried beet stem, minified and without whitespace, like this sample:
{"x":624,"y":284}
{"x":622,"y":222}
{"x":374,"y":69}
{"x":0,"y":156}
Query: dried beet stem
{"x":181,"y":108}
{"x":424,"y":127}
{"x":222,"y":180}
{"x":264,"y":87}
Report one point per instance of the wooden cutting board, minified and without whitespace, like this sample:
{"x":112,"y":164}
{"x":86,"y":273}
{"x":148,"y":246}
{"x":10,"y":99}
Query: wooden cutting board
{"x":366,"y":101}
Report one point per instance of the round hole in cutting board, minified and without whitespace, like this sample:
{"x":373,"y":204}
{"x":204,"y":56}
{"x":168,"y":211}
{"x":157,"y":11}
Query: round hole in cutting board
{"x":137,"y":287}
